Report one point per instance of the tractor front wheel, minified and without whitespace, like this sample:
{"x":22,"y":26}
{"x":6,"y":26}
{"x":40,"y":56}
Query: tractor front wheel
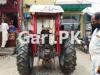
{"x":24,"y":60}
{"x":67,"y":58}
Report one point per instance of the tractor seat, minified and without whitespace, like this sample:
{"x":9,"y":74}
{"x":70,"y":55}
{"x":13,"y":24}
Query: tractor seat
{"x":46,"y":38}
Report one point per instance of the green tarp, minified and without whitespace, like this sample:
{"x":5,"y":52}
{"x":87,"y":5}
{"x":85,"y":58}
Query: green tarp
{"x":74,"y":7}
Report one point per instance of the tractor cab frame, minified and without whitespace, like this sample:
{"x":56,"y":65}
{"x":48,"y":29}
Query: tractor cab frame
{"x":47,"y":12}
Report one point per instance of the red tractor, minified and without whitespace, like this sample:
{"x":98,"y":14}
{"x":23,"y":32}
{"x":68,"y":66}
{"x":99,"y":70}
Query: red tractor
{"x":46,"y":20}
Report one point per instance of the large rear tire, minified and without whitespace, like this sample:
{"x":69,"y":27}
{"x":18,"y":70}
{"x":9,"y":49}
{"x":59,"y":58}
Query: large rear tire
{"x":24,"y":60}
{"x":67,"y":58}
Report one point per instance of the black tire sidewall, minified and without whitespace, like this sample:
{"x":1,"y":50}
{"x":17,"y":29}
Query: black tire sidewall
{"x":68,"y":57}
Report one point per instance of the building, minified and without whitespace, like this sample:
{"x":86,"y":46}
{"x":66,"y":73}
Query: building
{"x":43,"y":2}
{"x":73,"y":17}
{"x":10,"y":10}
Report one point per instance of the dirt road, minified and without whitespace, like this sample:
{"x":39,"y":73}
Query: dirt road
{"x":8,"y":65}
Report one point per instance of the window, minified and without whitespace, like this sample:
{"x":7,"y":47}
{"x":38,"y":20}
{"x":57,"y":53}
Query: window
{"x":71,"y":22}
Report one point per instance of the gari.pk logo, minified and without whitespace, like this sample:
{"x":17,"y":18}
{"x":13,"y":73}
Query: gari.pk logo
{"x":25,"y":37}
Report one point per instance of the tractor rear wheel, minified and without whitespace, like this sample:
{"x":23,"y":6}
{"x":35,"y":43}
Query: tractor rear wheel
{"x":67,"y":59}
{"x":24,"y":60}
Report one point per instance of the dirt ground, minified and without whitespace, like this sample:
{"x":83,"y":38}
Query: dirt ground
{"x":8,"y":65}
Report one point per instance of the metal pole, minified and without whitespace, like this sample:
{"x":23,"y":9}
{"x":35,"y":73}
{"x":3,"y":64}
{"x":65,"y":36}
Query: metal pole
{"x":34,"y":32}
{"x":57,"y":26}
{"x":20,"y":13}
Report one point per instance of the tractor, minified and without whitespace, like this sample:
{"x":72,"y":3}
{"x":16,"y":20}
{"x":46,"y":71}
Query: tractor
{"x":45,"y":20}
